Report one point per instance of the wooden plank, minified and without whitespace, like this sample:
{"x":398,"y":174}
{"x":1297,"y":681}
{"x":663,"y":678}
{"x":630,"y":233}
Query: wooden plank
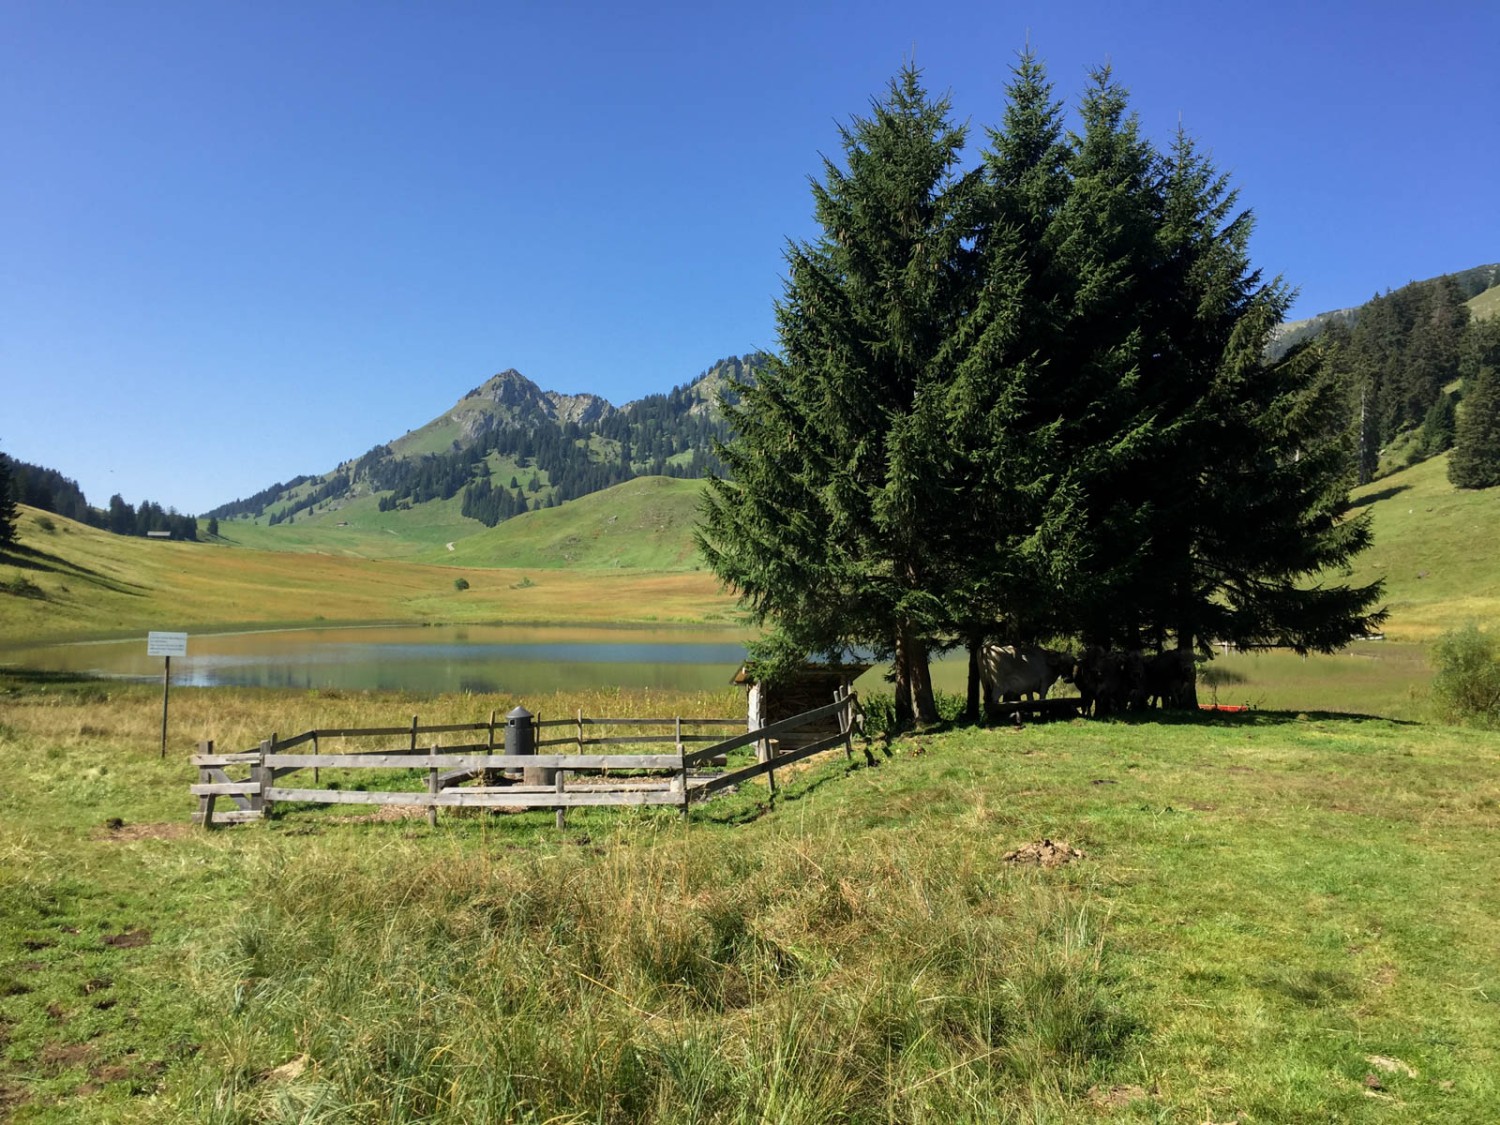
{"x":547,"y":798}
{"x":781,"y":726}
{"x":296,"y":740}
{"x":591,"y":788}
{"x":360,"y":732}
{"x":208,"y":775}
{"x":225,"y":759}
{"x":644,"y":722}
{"x":714,"y":784}
{"x":220,"y":789}
{"x":240,"y":817}
{"x":477,"y":761}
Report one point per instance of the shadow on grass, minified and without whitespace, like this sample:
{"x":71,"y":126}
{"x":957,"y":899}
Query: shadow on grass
{"x":38,"y":677}
{"x":1249,"y":718}
{"x":748,"y":809}
{"x":1380,"y":494}
{"x":29,"y":558}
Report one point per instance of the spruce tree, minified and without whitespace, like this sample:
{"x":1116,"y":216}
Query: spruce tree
{"x":8,"y":510}
{"x":832,"y":529}
{"x":1475,"y":460}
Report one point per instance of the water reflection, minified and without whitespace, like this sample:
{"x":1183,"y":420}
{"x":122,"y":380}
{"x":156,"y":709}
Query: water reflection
{"x":420,"y":658}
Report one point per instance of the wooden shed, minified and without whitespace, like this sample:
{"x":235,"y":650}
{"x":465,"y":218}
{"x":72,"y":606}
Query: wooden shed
{"x":814,"y":685}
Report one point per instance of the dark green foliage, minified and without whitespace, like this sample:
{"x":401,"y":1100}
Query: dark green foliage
{"x":8,"y":512}
{"x":1475,"y":461}
{"x":1467,"y":682}
{"x":834,"y":528}
{"x":1032,"y":402}
{"x":48,"y":490}
{"x":1393,"y":359}
{"x":460,"y":584}
{"x":1439,"y":427}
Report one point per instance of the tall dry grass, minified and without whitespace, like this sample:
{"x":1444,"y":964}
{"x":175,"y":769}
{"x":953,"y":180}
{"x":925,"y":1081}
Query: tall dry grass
{"x":676,"y":977}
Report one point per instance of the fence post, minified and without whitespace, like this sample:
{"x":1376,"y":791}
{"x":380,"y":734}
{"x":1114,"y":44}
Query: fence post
{"x":205,"y":777}
{"x":413,"y":734}
{"x":846,"y":723}
{"x":687,"y":814}
{"x":261,"y":775}
{"x":432,"y":789}
{"x":562,"y":810}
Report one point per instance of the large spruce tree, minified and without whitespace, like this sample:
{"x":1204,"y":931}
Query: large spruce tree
{"x":831,"y":524}
{"x":1033,"y":401}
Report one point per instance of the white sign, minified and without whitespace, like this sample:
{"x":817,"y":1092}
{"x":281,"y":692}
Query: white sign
{"x":166,"y":644}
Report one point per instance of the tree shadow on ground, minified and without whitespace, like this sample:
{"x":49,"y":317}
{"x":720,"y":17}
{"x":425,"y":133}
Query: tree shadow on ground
{"x":1255,"y":718}
{"x":29,"y":558}
{"x":1380,"y":494}
{"x":745,"y":812}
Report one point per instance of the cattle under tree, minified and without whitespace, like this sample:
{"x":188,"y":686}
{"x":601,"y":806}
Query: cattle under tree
{"x":1015,"y":672}
{"x":1170,"y":679}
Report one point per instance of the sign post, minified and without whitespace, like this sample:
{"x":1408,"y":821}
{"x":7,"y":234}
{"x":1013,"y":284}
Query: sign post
{"x":166,"y":645}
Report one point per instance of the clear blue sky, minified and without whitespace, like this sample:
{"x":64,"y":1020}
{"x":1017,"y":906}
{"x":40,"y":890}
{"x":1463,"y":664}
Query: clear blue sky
{"x":247,"y":240}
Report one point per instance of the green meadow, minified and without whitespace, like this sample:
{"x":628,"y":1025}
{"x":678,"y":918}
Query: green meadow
{"x":1284,"y":915}
{"x":1275,"y":917}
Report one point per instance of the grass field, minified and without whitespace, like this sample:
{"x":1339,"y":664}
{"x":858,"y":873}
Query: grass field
{"x":1436,"y":546}
{"x":645,"y":523}
{"x":1486,"y":304}
{"x":74,"y":580}
{"x":1278,"y":917}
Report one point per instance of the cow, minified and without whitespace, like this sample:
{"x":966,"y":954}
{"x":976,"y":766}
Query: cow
{"x":1109,"y":681}
{"x":1170,"y":677}
{"x":1013,"y":672}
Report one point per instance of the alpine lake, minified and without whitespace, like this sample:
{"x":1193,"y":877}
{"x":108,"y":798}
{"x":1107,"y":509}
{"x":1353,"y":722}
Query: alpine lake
{"x":1375,"y":678}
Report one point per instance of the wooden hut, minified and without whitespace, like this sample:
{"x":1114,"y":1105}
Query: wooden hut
{"x":814,"y":685}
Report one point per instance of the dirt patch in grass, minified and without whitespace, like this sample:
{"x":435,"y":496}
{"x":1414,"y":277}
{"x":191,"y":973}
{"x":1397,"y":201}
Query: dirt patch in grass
{"x":130,"y":939}
{"x":1044,"y":853}
{"x":61,"y":1056}
{"x":120,"y":832}
{"x":381,"y":815}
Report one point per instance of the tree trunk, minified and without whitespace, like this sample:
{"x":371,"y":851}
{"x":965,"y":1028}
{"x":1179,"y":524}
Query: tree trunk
{"x":924,"y":706}
{"x":904,"y":717}
{"x":971,"y":697}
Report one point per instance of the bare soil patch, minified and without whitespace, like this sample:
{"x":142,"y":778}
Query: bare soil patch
{"x":1044,"y":853}
{"x":130,"y":939}
{"x":124,"y":833}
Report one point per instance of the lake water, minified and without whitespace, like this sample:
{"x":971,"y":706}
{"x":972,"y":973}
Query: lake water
{"x":1383,"y":679}
{"x":473,"y":658}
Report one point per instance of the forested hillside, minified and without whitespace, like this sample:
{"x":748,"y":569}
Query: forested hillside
{"x":508,"y":447}
{"x":1403,"y":360}
{"x":48,"y":490}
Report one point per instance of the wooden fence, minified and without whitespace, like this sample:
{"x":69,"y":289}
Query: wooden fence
{"x":604,"y":767}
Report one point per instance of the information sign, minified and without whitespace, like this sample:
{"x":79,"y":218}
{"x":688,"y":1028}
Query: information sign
{"x":166,"y":644}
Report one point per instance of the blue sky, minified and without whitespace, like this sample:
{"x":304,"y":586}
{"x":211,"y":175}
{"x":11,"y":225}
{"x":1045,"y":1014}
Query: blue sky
{"x":247,"y":240}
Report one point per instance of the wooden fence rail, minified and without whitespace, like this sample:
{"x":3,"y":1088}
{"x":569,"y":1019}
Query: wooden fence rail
{"x":519,"y":777}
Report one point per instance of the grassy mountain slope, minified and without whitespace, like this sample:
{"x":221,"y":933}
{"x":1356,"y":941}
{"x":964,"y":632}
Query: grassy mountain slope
{"x":645,"y":523}
{"x":1485,"y":305}
{"x":67,"y":579}
{"x":357,"y":529}
{"x":1436,"y":546}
